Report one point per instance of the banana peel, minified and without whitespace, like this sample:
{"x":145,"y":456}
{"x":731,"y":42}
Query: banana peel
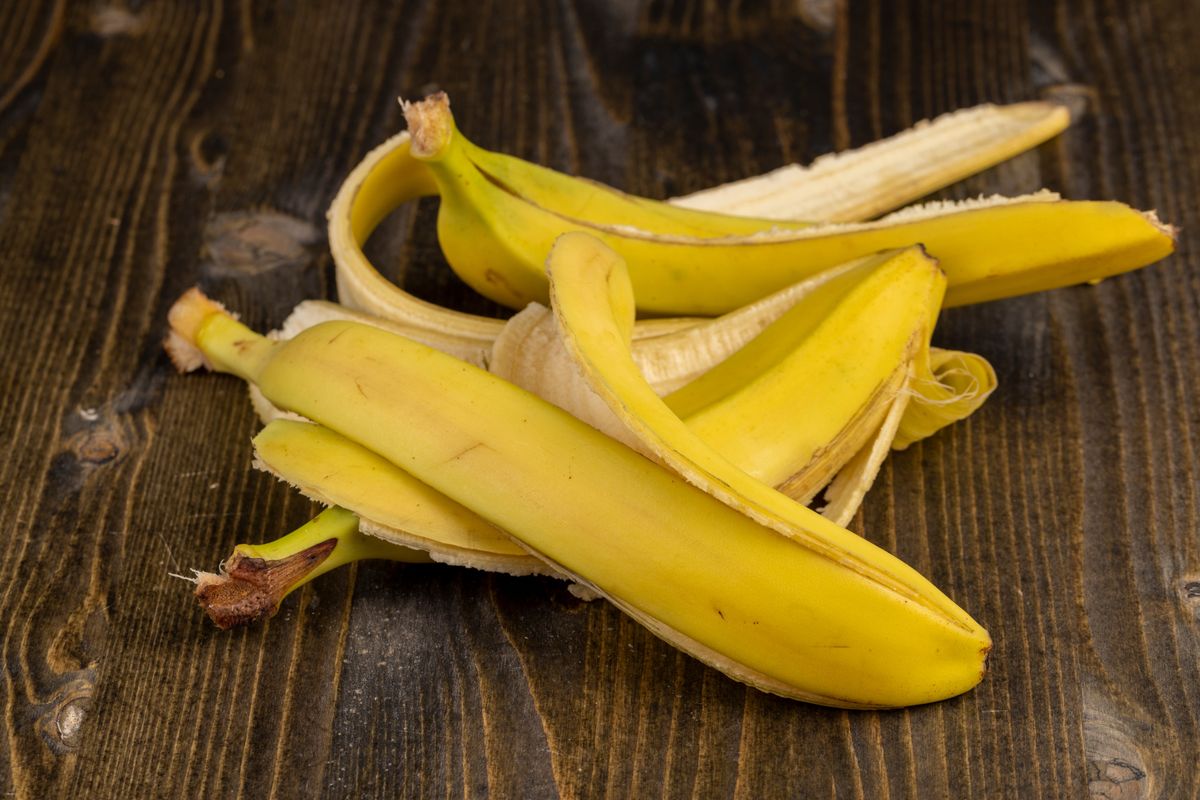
{"x":816,"y":613}
{"x":496,"y":240}
{"x":931,"y":155}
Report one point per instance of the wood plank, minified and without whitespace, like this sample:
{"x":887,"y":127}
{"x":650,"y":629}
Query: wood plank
{"x":82,"y":237}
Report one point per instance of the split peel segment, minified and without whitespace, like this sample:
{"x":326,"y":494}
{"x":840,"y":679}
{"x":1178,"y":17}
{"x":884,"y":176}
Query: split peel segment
{"x":391,"y":503}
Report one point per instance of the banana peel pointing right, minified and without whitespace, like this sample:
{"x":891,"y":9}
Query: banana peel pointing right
{"x":496,"y":239}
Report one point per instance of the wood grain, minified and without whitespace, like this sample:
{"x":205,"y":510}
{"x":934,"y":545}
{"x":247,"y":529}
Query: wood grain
{"x":145,"y":147}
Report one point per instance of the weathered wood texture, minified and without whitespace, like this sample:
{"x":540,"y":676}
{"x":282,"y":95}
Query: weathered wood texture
{"x":148,"y":146}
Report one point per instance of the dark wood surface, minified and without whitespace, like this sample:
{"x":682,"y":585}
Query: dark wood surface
{"x":145,"y":147}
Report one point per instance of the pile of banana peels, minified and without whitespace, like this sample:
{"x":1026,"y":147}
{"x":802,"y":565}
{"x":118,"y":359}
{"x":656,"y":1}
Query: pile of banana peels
{"x":689,"y":405}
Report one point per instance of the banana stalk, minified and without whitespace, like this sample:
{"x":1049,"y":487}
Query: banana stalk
{"x":253,"y":581}
{"x":817,"y":614}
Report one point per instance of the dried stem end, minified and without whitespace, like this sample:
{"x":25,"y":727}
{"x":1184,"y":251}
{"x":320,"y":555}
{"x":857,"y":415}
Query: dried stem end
{"x":429,"y":124}
{"x":249,"y":589}
{"x":185,"y":319}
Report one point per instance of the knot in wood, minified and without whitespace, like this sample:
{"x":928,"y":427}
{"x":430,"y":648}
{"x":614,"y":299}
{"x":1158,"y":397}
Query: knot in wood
{"x":61,"y":721}
{"x":99,"y":448}
{"x":115,"y":20}
{"x":96,"y":446}
{"x":253,"y":242}
{"x":1115,"y":779}
{"x":207,"y":152}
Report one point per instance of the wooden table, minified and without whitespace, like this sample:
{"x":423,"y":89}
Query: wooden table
{"x":145,"y":147}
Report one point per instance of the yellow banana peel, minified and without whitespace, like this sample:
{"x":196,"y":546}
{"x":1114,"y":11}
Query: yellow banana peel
{"x":496,"y":240}
{"x":817,"y":613}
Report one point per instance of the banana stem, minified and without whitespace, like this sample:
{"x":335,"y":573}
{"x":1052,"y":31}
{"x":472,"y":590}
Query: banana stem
{"x":430,"y":125}
{"x":204,"y":334}
{"x":256,"y":578}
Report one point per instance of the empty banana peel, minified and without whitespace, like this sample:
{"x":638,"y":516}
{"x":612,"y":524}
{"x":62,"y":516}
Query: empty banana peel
{"x":964,"y":141}
{"x":773,"y":595}
{"x":495,"y":237}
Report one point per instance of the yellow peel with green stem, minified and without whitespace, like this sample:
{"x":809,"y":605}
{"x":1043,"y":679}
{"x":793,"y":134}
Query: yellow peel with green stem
{"x":818,"y":614}
{"x":496,"y":240}
{"x":849,"y":186}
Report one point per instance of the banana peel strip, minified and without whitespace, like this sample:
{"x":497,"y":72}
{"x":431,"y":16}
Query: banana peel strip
{"x":592,"y":301}
{"x":845,"y":493}
{"x":859,"y":184}
{"x":391,"y":504}
{"x":578,"y":385}
{"x":949,"y":386}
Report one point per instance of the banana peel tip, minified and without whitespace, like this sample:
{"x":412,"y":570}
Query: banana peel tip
{"x":1166,"y":228}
